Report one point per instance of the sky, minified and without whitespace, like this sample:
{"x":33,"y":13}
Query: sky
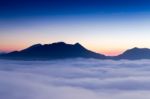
{"x":104,"y":26}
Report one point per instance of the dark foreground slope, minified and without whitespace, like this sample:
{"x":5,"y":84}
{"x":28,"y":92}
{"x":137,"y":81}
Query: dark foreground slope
{"x":58,"y":50}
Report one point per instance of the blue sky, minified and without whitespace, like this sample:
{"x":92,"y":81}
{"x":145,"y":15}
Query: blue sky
{"x":104,"y":26}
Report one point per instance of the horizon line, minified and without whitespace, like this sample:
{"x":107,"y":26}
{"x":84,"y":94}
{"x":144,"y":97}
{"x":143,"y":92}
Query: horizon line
{"x":3,"y":51}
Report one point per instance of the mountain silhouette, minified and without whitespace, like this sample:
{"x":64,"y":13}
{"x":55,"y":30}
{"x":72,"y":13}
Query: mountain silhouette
{"x":61,"y":50}
{"x":58,"y":50}
{"x":135,"y":53}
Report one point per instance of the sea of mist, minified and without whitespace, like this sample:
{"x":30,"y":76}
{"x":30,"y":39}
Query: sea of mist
{"x":75,"y":79}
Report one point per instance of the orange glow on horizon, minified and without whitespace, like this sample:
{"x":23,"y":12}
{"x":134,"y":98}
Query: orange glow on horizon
{"x":111,"y":53}
{"x":11,"y":48}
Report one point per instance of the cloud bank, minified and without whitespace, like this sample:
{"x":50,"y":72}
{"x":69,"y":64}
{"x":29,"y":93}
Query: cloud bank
{"x":75,"y":79}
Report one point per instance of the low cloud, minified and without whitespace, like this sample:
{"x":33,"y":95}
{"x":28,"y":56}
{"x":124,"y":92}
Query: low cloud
{"x":75,"y":79}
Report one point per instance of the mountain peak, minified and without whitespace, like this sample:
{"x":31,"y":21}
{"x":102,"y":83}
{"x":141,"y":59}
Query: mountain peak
{"x":135,"y":48}
{"x":135,"y":53}
{"x":77,"y":44}
{"x":138,"y":49}
{"x":36,"y":45}
{"x":58,"y":43}
{"x":58,"y":50}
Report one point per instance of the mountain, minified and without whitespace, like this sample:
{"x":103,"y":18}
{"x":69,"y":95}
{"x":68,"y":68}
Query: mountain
{"x":135,"y":53}
{"x":59,"y":50}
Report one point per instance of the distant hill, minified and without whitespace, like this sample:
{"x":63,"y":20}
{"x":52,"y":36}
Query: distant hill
{"x":135,"y":53}
{"x":57,"y":50}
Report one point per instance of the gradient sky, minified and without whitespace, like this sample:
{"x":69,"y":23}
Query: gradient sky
{"x":105,"y":26}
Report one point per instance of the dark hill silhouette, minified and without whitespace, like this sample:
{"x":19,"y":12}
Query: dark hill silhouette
{"x":57,"y":50}
{"x":61,"y":50}
{"x":135,"y":53}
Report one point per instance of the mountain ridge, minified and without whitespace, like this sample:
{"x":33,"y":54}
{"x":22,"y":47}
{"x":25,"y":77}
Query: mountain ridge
{"x":135,"y":53}
{"x":61,"y":50}
{"x":56,"y":50}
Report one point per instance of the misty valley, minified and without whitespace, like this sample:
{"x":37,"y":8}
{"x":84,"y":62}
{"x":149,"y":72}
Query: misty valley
{"x":75,"y":79}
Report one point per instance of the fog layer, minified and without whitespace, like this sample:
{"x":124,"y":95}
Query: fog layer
{"x":75,"y":79}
